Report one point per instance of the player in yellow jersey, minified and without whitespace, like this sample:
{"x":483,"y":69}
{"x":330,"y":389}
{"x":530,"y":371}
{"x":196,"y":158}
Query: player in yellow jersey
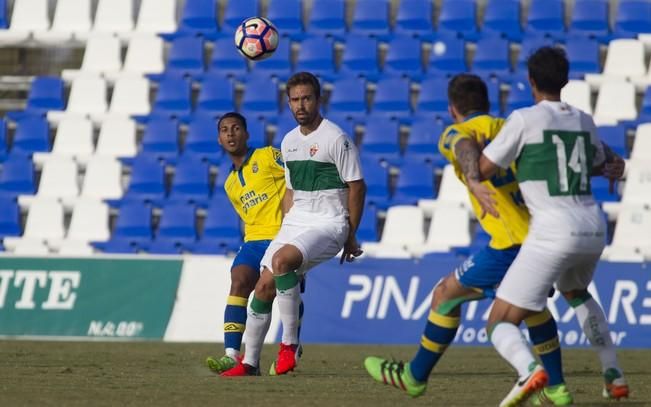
{"x":256,"y":188}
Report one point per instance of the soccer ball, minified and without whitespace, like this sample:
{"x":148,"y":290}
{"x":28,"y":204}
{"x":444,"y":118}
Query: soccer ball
{"x":256,"y":38}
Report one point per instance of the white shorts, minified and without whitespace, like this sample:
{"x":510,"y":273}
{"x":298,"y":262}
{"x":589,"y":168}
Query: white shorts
{"x":536,"y":269}
{"x":317,"y":243}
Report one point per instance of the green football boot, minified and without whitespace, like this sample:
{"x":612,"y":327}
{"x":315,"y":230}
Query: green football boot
{"x":220,"y":365}
{"x":396,"y":374}
{"x":557,"y":395}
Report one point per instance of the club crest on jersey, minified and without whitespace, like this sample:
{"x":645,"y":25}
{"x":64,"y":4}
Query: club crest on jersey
{"x":314,"y":148}
{"x":254,"y":167}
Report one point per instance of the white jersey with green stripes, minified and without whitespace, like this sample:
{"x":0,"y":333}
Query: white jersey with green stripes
{"x":555,"y":147}
{"x":317,"y":168}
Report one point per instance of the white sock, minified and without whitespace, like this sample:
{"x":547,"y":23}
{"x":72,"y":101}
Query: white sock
{"x":257,"y":325}
{"x":513,"y":347}
{"x":288,"y":305}
{"x":593,"y":322}
{"x":232,"y":353}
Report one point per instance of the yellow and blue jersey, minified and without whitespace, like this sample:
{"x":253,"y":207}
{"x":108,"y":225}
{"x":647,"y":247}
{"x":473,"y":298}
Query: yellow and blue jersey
{"x":512,"y":226}
{"x":256,"y":191}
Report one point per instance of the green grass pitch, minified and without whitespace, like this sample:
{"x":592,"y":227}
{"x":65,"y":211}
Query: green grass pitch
{"x":163,"y":374}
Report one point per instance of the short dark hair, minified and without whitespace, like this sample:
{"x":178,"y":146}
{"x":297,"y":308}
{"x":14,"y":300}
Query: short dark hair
{"x":548,"y":69}
{"x":234,"y":115}
{"x":304,"y":78}
{"x":468,"y":93}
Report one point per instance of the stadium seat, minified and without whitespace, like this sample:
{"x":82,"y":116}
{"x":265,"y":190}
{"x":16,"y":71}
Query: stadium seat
{"x":642,"y":145}
{"x":452,"y":191}
{"x":616,"y":101}
{"x":381,"y":139}
{"x":103,"y":179}
{"x":404,"y":58}
{"x":433,"y":97}
{"x":494,"y":97}
{"x":327,"y":18}
{"x":28,"y":247}
{"x":226,"y":59}
{"x":450,"y":227}
{"x":423,"y":141}
{"x":222,"y":225}
{"x":633,"y":17}
{"x":287,"y":16}
{"x":237,"y":11}
{"x":114,"y":17}
{"x":392,"y":98}
{"x":173,"y":98}
{"x":645,"y":111}
{"x":316,"y":55}
{"x":133,"y":223}
{"x":191,"y":183}
{"x":45,"y":93}
{"x":636,"y":191}
{"x":492,"y":57}
{"x":201,"y":139}
{"x":161,"y":139}
{"x":216,"y":96}
{"x":615,"y":137}
{"x":185,"y":57}
{"x":74,"y":248}
{"x":17,"y":176}
{"x":58,"y":181}
{"x":279,"y":64}
{"x":371,"y":17}
{"x":32,"y":135}
{"x":147,"y":183}
{"x":546,"y":17}
{"x":519,"y":96}
{"x":360,"y":57}
{"x":285,"y":125}
{"x":414,"y":17}
{"x":156,"y":16}
{"x":625,"y":59}
{"x":257,"y":133}
{"x":590,"y":18}
{"x":377,"y":183}
{"x":584,"y":57}
{"x":415,"y":181}
{"x":130,"y":97}
{"x":28,"y":16}
{"x":102,"y":54}
{"x":199,"y":17}
{"x":44,"y":221}
{"x":4,"y":147}
{"x":528,"y":46}
{"x":348,"y":126}
{"x":448,"y":56}
{"x":117,"y":138}
{"x":404,"y":227}
{"x":631,"y":240}
{"x":89,"y":222}
{"x":459,"y":17}
{"x":72,"y":20}
{"x":177,"y":224}
{"x":600,"y":187}
{"x":3,"y":15}
{"x":224,"y":169}
{"x":260,"y":98}
{"x":9,"y":217}
{"x":116,"y":245}
{"x":367,"y":230}
{"x":578,"y":94}
{"x":502,"y":17}
{"x":348,"y":97}
{"x":74,"y":139}
{"x":87,"y":97}
{"x":144,"y":55}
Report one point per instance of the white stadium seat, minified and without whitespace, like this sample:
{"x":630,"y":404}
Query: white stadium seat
{"x":103,"y":54}
{"x":156,"y":16}
{"x":625,"y":60}
{"x":632,"y":233}
{"x":87,"y":97}
{"x":28,"y":247}
{"x":74,"y":138}
{"x":90,"y":221}
{"x":637,"y":189}
{"x":130,"y":97}
{"x":616,"y":101}
{"x":117,"y":138}
{"x":404,"y":227}
{"x":28,"y":16}
{"x":103,"y":179}
{"x":450,"y":227}
{"x":451,"y":191}
{"x":74,"y":248}
{"x":114,"y":17}
{"x":578,"y":94}
{"x":44,"y":222}
{"x":144,"y":55}
{"x":642,"y":144}
{"x":72,"y":20}
{"x":58,"y":181}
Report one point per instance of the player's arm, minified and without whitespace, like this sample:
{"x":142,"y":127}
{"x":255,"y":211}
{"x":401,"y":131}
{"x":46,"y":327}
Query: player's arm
{"x":288,"y":201}
{"x":467,"y":155}
{"x":356,"y":197}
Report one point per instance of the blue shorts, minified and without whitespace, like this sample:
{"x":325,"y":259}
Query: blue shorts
{"x":251,"y":253}
{"x":486,"y":269}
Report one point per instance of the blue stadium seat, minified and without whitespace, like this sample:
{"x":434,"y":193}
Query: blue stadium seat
{"x":392,"y":98}
{"x":360,"y":57}
{"x":494,"y":97}
{"x":381,"y":139}
{"x":4,"y":21}
{"x":222,"y":225}
{"x":17,"y":177}
{"x":633,"y":17}
{"x":147,"y":182}
{"x":347,"y":125}
{"x":185,"y":57}
{"x":236,"y":12}
{"x":226,"y":59}
{"x":646,"y":103}
{"x":32,"y":135}
{"x":615,"y":137}
{"x":492,"y":58}
{"x":201,"y":139}
{"x":371,"y":17}
{"x":162,"y":246}
{"x":224,"y":169}
{"x":348,"y":98}
{"x":257,"y":133}
{"x":448,"y":56}
{"x":519,"y":96}
{"x":287,"y":16}
{"x":316,"y":55}
{"x":285,"y":125}
{"x":528,"y":47}
{"x":423,"y":140}
{"x":177,"y":224}
{"x":216,"y":96}
{"x":117,"y":245}
{"x":260,"y":98}
{"x":590,"y":18}
{"x":546,"y":17}
{"x":279,"y":64}
{"x":199,"y":17}
{"x":367,"y":230}
{"x":191,"y":184}
{"x":414,"y":17}
{"x":377,"y":182}
{"x":583,"y":54}
{"x":459,"y":17}
{"x":327,"y":18}
{"x":9,"y":217}
{"x":404,"y":58}
{"x":173,"y":98}
{"x":161,"y":139}
{"x":433,"y":97}
{"x":502,"y":17}
{"x":600,"y":187}
{"x":134,"y":223}
{"x":4,"y":148}
{"x":45,"y":93}
{"x":416,"y":181}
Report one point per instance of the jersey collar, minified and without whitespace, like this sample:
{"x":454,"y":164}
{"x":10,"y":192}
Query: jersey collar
{"x":249,"y":153}
{"x":473,"y":115}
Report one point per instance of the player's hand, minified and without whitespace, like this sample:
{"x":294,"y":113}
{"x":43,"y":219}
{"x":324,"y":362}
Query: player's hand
{"x":485,"y":198}
{"x":351,"y":250}
{"x":614,"y":170}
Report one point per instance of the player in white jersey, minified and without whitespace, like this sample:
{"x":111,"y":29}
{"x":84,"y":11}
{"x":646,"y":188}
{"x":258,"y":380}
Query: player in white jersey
{"x":556,"y":149}
{"x":324,"y":180}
